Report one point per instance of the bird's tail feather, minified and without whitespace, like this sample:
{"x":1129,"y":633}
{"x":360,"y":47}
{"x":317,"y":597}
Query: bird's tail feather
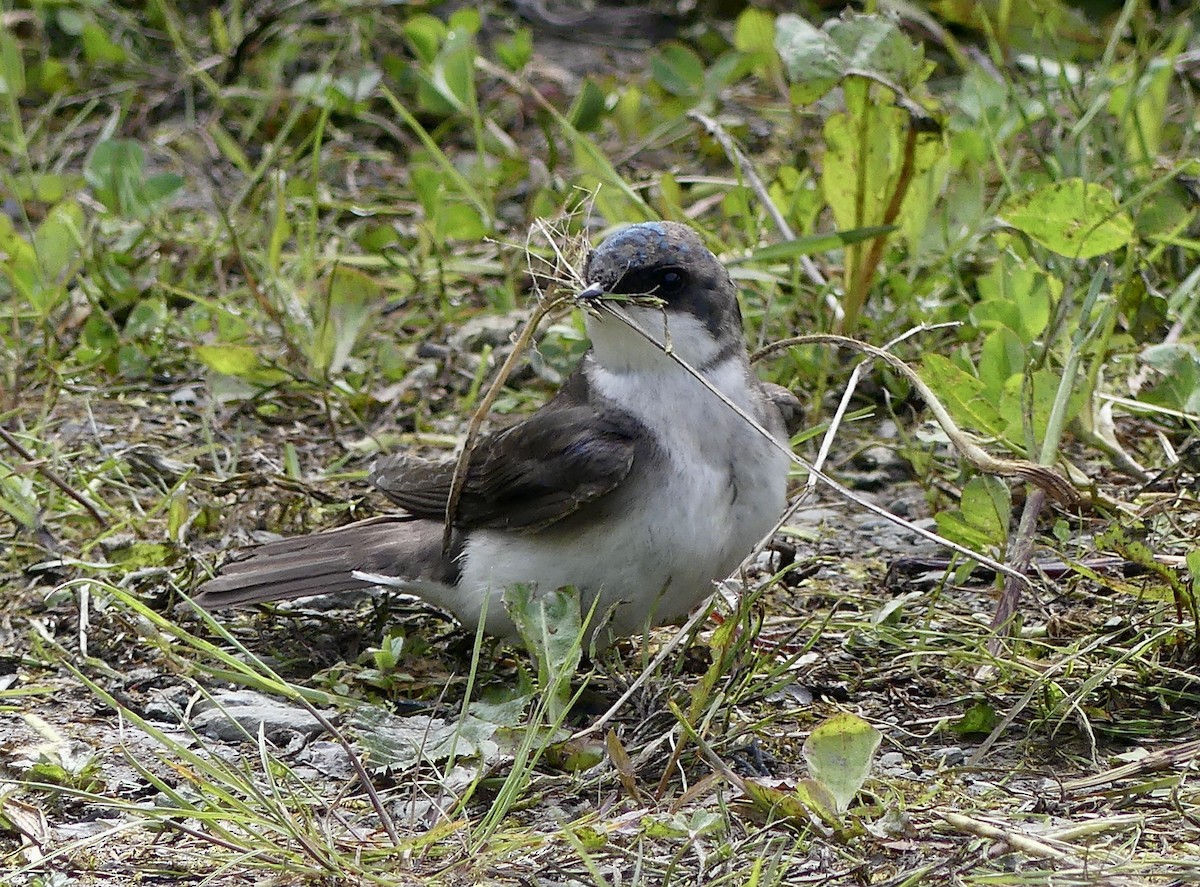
{"x":323,"y":563}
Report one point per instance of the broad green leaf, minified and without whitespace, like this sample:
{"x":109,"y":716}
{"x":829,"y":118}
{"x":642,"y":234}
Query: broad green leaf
{"x":862,"y":161}
{"x":678,"y":70}
{"x":59,"y":239}
{"x":517,"y":51}
{"x":425,"y":34}
{"x":18,"y":499}
{"x":982,"y":518}
{"x":1178,"y":386}
{"x":957,"y":528}
{"x":931,"y":163}
{"x":1016,"y":401}
{"x":159,"y":187}
{"x":1002,"y":357}
{"x":816,"y":60}
{"x":142,"y":554}
{"x":239,"y":361}
{"x":402,"y":742}
{"x":754,"y":31}
{"x":875,"y":43}
{"x":682,"y":825}
{"x":960,"y":393}
{"x":1073,"y":218}
{"x":350,"y":302}
{"x":459,"y":221}
{"x":588,"y":109}
{"x":453,"y":72}
{"x":98,"y":48}
{"x":114,"y":173}
{"x":754,"y":36}
{"x":839,"y":753}
{"x":995,"y":314}
{"x":979,"y":718}
{"x":551,"y":627}
{"x":1026,"y":292}
{"x":798,"y":803}
{"x":814,"y":63}
{"x":576,"y":755}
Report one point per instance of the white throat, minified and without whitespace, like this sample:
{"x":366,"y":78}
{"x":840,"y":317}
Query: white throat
{"x":620,"y":349}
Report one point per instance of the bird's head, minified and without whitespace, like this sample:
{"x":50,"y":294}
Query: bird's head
{"x":667,"y":281}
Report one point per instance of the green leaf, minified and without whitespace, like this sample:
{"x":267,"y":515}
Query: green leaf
{"x":453,"y":72}
{"x":459,"y":221}
{"x":551,"y":627}
{"x":839,"y":753}
{"x":114,"y":173}
{"x":98,"y":48}
{"x":1073,"y":218}
{"x":814,"y":63}
{"x":979,"y":718}
{"x":754,"y":31}
{"x":961,"y":392}
{"x":159,"y":187}
{"x":816,"y":60}
{"x":12,"y":66}
{"x":1002,"y":357}
{"x":403,"y":742}
{"x":1178,"y":386}
{"x":425,"y":35}
{"x":875,"y":43}
{"x":678,"y":70}
{"x":1192,"y":559}
{"x":349,"y":304}
{"x":587,"y":111}
{"x":863,"y":157}
{"x":1018,"y":399}
{"x":239,"y":361}
{"x":981,"y":520}
{"x":59,"y":240}
{"x":517,"y":51}
{"x":798,"y":803}
{"x":1018,"y":295}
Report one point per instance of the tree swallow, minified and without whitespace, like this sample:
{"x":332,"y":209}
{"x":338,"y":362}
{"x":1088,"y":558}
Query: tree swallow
{"x":634,"y":483}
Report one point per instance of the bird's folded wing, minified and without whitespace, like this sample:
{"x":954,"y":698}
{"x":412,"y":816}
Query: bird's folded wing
{"x":523,"y":478}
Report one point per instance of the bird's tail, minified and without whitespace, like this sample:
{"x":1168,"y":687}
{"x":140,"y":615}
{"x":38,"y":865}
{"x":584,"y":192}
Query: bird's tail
{"x":324,"y":563}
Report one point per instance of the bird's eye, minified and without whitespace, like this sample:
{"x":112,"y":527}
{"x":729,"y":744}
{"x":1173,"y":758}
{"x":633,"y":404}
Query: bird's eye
{"x":671,"y":281}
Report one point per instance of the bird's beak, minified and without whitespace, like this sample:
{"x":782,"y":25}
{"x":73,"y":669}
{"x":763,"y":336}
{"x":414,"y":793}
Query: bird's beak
{"x":589,"y":293}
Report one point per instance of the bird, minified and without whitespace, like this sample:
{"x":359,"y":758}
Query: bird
{"x":634,"y":484}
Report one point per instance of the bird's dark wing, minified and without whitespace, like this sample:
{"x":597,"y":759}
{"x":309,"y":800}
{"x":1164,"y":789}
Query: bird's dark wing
{"x":523,"y":478}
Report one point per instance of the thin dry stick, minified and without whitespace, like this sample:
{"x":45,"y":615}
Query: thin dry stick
{"x":1020,"y":841}
{"x":855,"y":376}
{"x":459,"y":479}
{"x":52,"y":476}
{"x":545,"y":306}
{"x":1039,"y":475}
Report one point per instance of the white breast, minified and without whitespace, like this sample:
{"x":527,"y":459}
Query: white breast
{"x":719,"y":488}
